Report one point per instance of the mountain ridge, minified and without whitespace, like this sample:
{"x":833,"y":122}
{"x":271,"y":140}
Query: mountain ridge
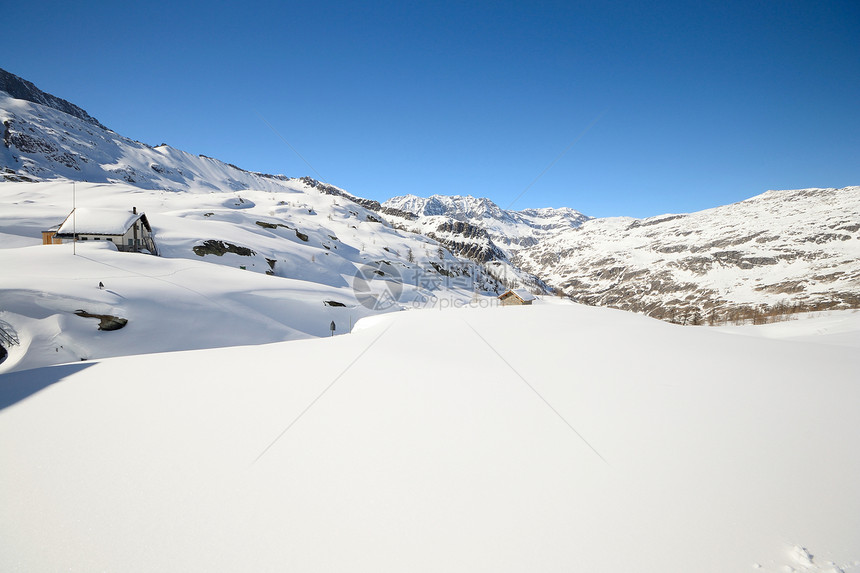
{"x":778,"y":252}
{"x":779,"y":248}
{"x":19,"y":88}
{"x":728,"y":261}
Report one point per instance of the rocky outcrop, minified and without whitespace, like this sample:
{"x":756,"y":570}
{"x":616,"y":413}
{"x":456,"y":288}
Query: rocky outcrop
{"x":106,"y":321}
{"x":466,"y":240}
{"x":219,"y":248}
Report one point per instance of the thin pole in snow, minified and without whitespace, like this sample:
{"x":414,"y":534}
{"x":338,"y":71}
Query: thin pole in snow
{"x":74,"y":221}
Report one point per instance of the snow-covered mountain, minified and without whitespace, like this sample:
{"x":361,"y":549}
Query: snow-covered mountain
{"x":789,"y":250}
{"x":21,"y":89}
{"x":317,"y":236}
{"x":477,"y":228}
{"x":792,"y":249}
{"x":507,"y":230}
{"x":783,"y":249}
{"x":43,"y":142}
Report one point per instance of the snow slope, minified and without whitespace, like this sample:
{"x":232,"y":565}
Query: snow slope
{"x":41,"y":142}
{"x":841,"y":327}
{"x":305,"y":233}
{"x":507,"y":439}
{"x":313,"y":244}
{"x":170,"y":304}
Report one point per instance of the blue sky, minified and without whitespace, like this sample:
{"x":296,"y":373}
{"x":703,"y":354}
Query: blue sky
{"x":640,"y":110}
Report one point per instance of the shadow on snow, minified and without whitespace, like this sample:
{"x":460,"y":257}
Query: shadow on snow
{"x":17,"y":386}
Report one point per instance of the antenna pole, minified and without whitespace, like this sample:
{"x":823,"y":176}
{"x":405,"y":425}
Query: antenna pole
{"x":74,"y":221}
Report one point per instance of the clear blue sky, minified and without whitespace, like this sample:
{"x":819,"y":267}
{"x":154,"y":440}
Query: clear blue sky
{"x":669,"y":107}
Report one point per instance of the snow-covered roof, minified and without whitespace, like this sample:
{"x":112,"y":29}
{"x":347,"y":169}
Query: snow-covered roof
{"x":86,"y":220}
{"x":521,"y":293}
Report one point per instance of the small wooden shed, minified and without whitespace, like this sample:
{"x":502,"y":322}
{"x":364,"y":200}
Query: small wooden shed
{"x":49,"y":237}
{"x":517,"y":297}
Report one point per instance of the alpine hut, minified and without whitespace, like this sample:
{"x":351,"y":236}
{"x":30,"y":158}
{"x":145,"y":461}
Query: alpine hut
{"x":518,"y":296}
{"x":128,"y":230}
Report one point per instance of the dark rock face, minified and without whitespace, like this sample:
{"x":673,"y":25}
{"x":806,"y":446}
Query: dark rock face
{"x":467,"y":240}
{"x":467,"y":230}
{"x":218,"y":248}
{"x":332,"y":190}
{"x":25,"y":142}
{"x":20,"y":137}
{"x":20,"y":88}
{"x":10,"y":175}
{"x":398,"y":213}
{"x":302,"y":236}
{"x":739,"y":259}
{"x":654,"y":221}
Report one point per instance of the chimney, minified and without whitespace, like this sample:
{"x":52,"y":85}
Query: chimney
{"x":134,"y":210}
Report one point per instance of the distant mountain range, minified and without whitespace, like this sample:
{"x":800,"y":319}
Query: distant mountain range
{"x":788,"y":250}
{"x":779,"y":252}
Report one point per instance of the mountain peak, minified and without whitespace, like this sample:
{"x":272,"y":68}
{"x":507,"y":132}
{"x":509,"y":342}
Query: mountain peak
{"x":455,"y":206}
{"x":19,"y":88}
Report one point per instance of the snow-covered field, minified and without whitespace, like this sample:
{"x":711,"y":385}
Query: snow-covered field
{"x":170,"y":304}
{"x":548,"y":438}
{"x":841,"y":328}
